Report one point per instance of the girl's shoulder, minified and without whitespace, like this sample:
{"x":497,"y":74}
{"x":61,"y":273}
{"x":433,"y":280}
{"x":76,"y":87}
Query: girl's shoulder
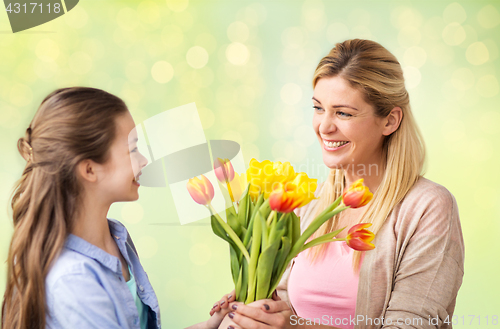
{"x":426,"y":192}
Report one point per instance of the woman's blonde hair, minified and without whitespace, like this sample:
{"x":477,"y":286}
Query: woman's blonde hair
{"x":71,"y":124}
{"x":377,"y":74}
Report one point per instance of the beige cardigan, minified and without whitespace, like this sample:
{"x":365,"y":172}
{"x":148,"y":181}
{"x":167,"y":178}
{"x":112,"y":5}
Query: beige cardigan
{"x":417,"y":266}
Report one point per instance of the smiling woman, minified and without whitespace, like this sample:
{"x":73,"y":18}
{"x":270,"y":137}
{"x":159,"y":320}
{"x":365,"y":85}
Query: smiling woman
{"x":363,"y":119}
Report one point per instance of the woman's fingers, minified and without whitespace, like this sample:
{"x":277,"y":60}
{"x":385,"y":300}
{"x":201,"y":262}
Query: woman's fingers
{"x":275,"y":306}
{"x":275,"y":295}
{"x":250,"y":312}
{"x":223,"y":303}
{"x":246,"y":321}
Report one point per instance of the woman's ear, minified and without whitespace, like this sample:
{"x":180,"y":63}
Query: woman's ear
{"x":392,"y":121}
{"x":86,"y":170}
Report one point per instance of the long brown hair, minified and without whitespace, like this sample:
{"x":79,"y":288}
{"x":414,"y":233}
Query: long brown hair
{"x":71,"y":124}
{"x":377,"y":74}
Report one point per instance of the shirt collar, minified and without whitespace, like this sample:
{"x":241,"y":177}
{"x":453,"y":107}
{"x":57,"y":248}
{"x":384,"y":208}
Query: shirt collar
{"x":85,"y":248}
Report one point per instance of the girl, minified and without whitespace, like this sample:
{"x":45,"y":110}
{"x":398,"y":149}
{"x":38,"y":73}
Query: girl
{"x":365,"y":127}
{"x":69,"y":266}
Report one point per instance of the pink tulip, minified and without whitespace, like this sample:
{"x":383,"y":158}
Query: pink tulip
{"x":201,"y":190}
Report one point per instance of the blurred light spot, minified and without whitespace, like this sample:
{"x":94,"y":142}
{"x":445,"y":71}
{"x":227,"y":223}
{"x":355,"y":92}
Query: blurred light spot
{"x":304,"y":135}
{"x":433,"y":28}
{"x":125,"y":39}
{"x":293,"y":56}
{"x":409,"y":36}
{"x":254,"y":14}
{"x":200,"y":254}
{"x":470,"y":36}
{"x":441,"y":55}
{"x":359,"y":16}
{"x":405,"y":16}
{"x":283,"y":149}
{"x":47,"y":50}
{"x":207,"y":41}
{"x":176,"y":288}
{"x":200,"y":301}
{"x":415,"y":56}
{"x":148,"y":12}
{"x":20,"y":95}
{"x":479,"y":150}
{"x":237,"y":53}
{"x":197,"y":57}
{"x":313,"y":19}
{"x":489,"y":122}
{"x":162,"y":72}
{"x":244,"y":95}
{"x":146,"y":246}
{"x":127,"y":19}
{"x":76,"y":18}
{"x":136,"y":71}
{"x":132,"y":212}
{"x":249,"y":130}
{"x":412,"y":76}
{"x":492,"y":48}
{"x":454,"y":12}
{"x":80,"y":63}
{"x":487,"y":86}
{"x":45,"y":70}
{"x":250,"y":151}
{"x":172,"y":36}
{"x":488,"y":17}
{"x":291,"y":93}
{"x":238,"y":32}
{"x":207,"y":117}
{"x":294,"y":37}
{"x":233,"y":135}
{"x":202,"y":275}
{"x":453,"y":34}
{"x":462,"y":79}
{"x":361,"y":32}
{"x":477,"y":53}
{"x":177,"y":5}
{"x":453,"y":130}
{"x":337,"y":32}
{"x":93,"y":47}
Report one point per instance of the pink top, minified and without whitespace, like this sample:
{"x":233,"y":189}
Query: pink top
{"x":326,"y":289}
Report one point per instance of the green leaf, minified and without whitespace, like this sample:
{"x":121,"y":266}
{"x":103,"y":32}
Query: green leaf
{"x":322,"y":239}
{"x":254,"y":257}
{"x":265,"y":268}
{"x":235,"y":264}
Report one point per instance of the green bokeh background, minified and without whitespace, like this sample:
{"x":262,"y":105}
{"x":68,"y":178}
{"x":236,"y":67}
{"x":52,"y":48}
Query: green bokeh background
{"x":248,"y":67}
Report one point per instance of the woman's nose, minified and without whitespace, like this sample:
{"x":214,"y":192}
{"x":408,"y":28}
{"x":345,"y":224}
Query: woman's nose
{"x":327,"y":125}
{"x":143,"y":160}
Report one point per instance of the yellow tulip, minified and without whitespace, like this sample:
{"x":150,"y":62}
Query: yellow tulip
{"x":286,"y":197}
{"x":264,"y":176}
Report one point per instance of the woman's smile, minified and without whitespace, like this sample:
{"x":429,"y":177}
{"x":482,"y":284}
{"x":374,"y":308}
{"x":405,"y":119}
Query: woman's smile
{"x":334,"y":145}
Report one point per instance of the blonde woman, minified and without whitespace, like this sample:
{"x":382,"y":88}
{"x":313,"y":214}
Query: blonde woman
{"x":364,"y":124}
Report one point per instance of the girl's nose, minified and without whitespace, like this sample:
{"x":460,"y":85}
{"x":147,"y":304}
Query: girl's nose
{"x":327,"y":125}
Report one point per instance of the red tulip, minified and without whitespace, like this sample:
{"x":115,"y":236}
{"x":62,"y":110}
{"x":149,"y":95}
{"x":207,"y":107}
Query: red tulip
{"x":201,"y":190}
{"x":223,"y":170}
{"x":357,"y":195}
{"x":359,"y":239}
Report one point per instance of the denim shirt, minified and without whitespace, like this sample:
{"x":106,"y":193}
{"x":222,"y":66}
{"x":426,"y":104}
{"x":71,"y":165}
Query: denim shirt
{"x":85,"y":287}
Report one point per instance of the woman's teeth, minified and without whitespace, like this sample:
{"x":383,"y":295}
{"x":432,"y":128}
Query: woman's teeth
{"x":334,"y":144}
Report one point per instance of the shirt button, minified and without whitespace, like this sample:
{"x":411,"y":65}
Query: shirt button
{"x":141,"y":288}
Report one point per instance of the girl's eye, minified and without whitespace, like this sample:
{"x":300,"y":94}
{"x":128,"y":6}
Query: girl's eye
{"x":344,"y":114}
{"x":317,"y":108}
{"x":134,"y":150}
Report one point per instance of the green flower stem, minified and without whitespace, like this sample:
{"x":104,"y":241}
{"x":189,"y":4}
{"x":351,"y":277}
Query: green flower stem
{"x":230,"y":232}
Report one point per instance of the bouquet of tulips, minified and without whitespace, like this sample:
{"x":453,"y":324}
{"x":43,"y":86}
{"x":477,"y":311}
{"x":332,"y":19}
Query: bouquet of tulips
{"x":262,"y":229}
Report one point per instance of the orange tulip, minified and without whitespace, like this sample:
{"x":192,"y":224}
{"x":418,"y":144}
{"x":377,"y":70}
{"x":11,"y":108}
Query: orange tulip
{"x":357,"y":195}
{"x":359,"y":239}
{"x":297,"y":193}
{"x":201,"y":190}
{"x":223,"y":170}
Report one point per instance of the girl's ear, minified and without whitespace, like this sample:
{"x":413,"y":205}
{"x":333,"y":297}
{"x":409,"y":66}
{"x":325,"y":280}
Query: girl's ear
{"x":86,"y":170}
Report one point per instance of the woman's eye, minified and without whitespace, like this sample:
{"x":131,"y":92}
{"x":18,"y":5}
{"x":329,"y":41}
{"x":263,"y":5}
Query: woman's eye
{"x":317,"y":108}
{"x":344,"y":114}
{"x":134,"y":150}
